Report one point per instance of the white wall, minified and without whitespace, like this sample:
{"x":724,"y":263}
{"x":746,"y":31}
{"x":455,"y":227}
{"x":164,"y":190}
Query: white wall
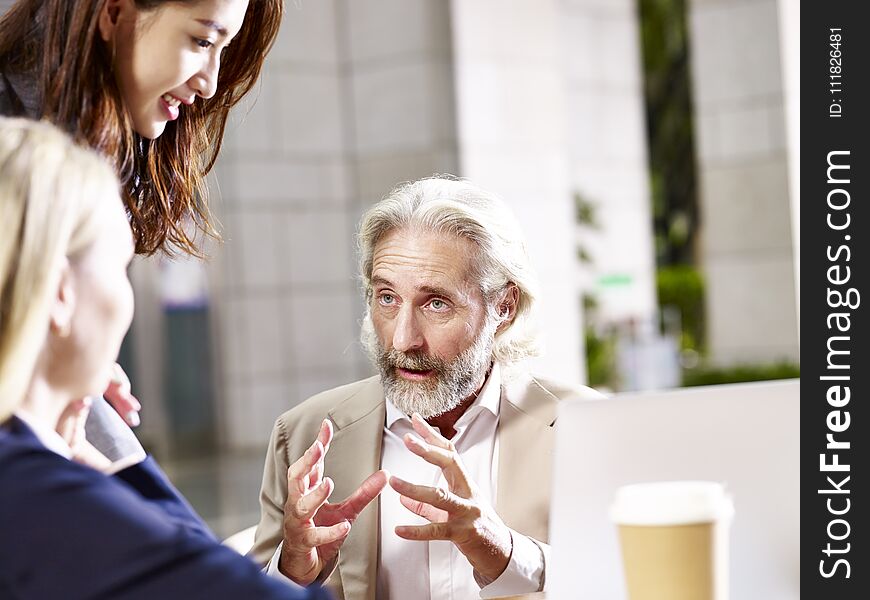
{"x":607,"y":153}
{"x":510,"y":98}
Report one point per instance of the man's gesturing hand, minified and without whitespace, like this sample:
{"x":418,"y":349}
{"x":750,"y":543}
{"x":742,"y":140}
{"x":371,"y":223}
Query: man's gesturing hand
{"x":458,"y":514}
{"x":314,"y":529}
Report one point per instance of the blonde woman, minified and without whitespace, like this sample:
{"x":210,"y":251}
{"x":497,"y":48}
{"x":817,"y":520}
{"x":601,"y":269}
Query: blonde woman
{"x":75,"y":525}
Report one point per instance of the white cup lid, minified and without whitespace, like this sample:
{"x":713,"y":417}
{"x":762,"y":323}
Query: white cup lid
{"x":671,"y":503}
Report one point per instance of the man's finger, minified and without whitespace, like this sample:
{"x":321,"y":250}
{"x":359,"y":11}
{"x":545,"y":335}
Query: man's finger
{"x":364,"y":494}
{"x":437,"y":497}
{"x":448,"y":461}
{"x":427,"y":511}
{"x":431,"y":454}
{"x":316,"y":475}
{"x":324,"y":436}
{"x":297,"y":473}
{"x":318,"y":536}
{"x":432,"y":531}
{"x":307,"y":505}
{"x":429,"y":433}
{"x":305,"y":463}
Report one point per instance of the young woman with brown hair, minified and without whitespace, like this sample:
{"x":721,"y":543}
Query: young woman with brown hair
{"x":148,"y":84}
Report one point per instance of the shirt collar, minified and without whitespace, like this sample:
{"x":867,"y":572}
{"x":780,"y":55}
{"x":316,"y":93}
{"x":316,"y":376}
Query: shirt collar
{"x":48,"y":437}
{"x":488,"y":399}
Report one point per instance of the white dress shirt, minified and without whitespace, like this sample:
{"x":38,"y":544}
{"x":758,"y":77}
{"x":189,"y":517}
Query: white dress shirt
{"x":436,"y":570}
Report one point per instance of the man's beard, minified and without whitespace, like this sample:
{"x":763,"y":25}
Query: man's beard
{"x":450,"y":383}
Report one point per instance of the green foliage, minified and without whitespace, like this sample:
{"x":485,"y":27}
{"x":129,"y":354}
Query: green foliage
{"x":740,"y":373}
{"x":682,"y":287}
{"x":600,"y":359}
{"x":664,"y":39}
{"x":600,"y":347}
{"x":586,"y":216}
{"x":590,"y":305}
{"x":583,"y":255}
{"x":585,"y":211}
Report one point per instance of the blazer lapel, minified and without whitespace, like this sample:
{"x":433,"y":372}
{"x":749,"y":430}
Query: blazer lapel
{"x":525,"y":434}
{"x":356,"y":453}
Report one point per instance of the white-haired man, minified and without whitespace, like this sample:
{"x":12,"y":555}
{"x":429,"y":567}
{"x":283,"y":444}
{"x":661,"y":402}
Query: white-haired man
{"x":466,"y":435}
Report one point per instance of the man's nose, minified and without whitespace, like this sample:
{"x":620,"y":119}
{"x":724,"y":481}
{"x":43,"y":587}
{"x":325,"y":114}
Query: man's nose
{"x":407,"y":335}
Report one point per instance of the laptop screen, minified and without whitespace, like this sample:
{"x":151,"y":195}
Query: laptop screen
{"x":745,"y":436}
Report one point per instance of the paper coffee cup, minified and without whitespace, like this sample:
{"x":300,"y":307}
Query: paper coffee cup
{"x":674,"y":539}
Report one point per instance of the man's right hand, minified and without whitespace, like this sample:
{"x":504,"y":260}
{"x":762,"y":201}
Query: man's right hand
{"x":314,"y":529}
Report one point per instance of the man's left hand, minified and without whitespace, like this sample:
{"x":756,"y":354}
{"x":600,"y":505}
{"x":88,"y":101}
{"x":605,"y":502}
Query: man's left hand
{"x":457,"y":514}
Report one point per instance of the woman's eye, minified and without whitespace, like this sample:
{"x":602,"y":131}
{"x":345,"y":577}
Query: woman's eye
{"x":387,"y":299}
{"x":202,"y":43}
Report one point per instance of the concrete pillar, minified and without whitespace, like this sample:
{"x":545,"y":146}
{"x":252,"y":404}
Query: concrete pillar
{"x":607,"y":153}
{"x":283,"y":286}
{"x":743,"y":160}
{"x":400,"y":93}
{"x":510,"y":99}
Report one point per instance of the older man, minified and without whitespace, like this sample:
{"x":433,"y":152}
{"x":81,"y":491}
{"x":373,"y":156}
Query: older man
{"x":466,"y":434}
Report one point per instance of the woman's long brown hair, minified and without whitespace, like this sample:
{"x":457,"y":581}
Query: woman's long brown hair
{"x":57,"y":42}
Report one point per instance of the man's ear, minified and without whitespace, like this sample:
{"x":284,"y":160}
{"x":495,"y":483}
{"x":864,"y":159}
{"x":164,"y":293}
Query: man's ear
{"x":63,"y":303}
{"x":506,"y":308}
{"x":110,"y":15}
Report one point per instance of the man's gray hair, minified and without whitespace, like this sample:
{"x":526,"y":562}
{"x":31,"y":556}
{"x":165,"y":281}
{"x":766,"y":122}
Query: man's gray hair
{"x":445,"y":204}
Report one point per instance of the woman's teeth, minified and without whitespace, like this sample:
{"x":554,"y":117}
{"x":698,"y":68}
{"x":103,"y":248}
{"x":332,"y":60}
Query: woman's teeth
{"x":171,"y":100}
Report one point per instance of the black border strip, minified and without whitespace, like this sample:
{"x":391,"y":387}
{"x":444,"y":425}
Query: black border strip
{"x":834,"y":331}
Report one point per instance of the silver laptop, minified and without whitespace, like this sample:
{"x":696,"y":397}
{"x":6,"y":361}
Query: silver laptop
{"x":745,"y":436}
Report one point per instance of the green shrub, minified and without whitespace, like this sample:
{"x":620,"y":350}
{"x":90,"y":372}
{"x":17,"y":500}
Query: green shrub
{"x":600,"y":359}
{"x":740,"y":373}
{"x":682,"y":287}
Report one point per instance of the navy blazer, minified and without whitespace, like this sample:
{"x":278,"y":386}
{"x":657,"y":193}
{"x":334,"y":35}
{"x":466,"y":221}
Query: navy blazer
{"x":70,"y":532}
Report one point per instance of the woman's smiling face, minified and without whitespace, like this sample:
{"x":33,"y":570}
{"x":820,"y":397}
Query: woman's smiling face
{"x":168,"y":56}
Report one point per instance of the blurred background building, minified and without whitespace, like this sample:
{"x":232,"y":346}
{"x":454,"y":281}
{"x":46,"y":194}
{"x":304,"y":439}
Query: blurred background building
{"x":650,"y":149}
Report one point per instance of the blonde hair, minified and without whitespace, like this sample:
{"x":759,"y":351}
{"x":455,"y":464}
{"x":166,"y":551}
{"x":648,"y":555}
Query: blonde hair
{"x":50,"y":192}
{"x":446,"y":204}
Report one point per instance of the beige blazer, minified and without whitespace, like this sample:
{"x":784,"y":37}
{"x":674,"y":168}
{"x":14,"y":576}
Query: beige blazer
{"x":357,"y":410}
